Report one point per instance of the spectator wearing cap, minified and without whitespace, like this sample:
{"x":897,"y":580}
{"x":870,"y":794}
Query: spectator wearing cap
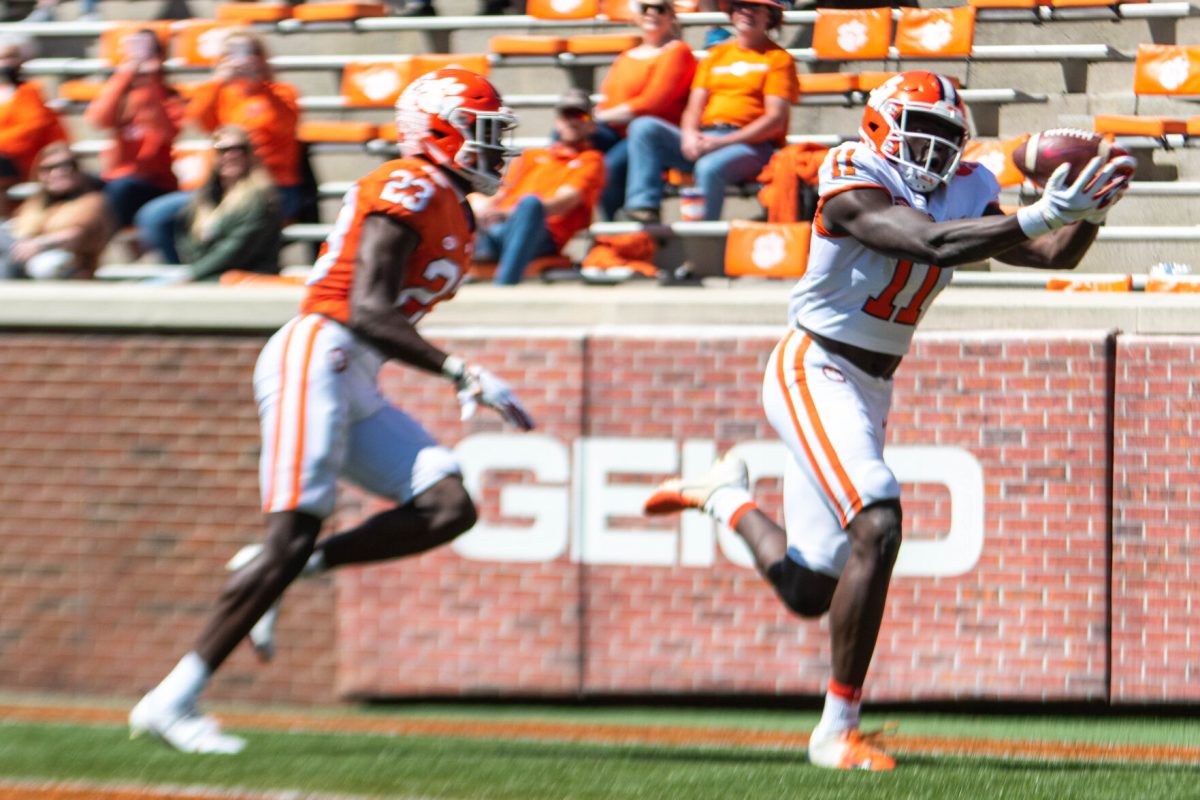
{"x":736,"y":117}
{"x":547,"y":195}
{"x":26,"y":124}
{"x":649,"y":79}
{"x":144,"y":115}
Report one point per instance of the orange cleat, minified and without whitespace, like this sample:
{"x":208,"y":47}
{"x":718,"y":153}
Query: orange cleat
{"x":678,"y":494}
{"x":851,"y":749}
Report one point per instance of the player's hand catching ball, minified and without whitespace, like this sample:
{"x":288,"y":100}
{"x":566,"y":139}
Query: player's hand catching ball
{"x":1098,"y":186}
{"x":476,"y":386}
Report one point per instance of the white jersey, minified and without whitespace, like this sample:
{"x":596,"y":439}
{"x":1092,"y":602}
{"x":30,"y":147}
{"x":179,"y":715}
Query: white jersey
{"x":858,"y":296}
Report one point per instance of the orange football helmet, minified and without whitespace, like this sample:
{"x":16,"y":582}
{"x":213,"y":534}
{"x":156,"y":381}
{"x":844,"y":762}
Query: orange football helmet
{"x":917,"y":121}
{"x":456,"y":118}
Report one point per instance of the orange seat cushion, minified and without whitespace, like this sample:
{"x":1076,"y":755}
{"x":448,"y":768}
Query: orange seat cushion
{"x":1005,"y":3}
{"x":602,"y":42}
{"x":873,"y":79}
{"x":254,"y":12}
{"x":79,"y":91}
{"x":1131,"y":125}
{"x":313,"y":12}
{"x":486,"y":270}
{"x":827,"y":82}
{"x":1116,"y":283}
{"x":338,"y":131}
{"x":767,"y":249}
{"x":527,"y":45}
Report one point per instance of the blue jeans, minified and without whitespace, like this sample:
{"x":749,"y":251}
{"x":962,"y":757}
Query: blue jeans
{"x":516,"y":241}
{"x":155,"y":221}
{"x":616,"y":179}
{"x":654,"y":147}
{"x":126,"y":195}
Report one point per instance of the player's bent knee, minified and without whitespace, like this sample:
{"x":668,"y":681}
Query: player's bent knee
{"x":806,"y":592}
{"x":449,"y":507}
{"x":877,"y":530}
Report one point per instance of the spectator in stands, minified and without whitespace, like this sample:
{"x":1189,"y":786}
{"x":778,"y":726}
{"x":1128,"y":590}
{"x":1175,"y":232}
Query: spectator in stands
{"x":61,"y":230}
{"x":243,"y":92}
{"x":232,"y":221}
{"x":547,"y":195}
{"x":26,"y":124}
{"x":736,"y":116}
{"x":651,"y":79}
{"x":145,"y":115}
{"x":46,"y":10}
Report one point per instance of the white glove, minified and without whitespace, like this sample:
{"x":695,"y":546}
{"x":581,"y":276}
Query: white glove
{"x":1112,"y":193}
{"x":1097,"y":187}
{"x":477,"y":386}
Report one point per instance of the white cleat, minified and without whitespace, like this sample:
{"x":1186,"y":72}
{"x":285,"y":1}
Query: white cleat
{"x":262,"y":635}
{"x":677,"y":494}
{"x":850,"y":749}
{"x":184,"y":729}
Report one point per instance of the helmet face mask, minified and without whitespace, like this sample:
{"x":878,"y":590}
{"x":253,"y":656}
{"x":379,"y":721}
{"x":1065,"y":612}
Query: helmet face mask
{"x":918,"y":122}
{"x":455,"y":118}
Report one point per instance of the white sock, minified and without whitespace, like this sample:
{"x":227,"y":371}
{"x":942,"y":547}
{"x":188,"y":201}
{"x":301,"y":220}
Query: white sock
{"x":724,"y":502}
{"x":184,"y":683}
{"x":840,"y":714}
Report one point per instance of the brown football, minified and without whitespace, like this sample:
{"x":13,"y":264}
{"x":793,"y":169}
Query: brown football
{"x":1040,"y":155}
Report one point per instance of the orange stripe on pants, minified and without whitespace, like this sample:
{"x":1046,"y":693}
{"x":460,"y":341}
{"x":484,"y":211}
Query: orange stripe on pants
{"x":787,"y":394}
{"x":279,"y":404}
{"x":826,"y":445}
{"x":297,"y":468}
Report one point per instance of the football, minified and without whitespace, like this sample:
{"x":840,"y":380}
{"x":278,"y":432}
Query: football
{"x":1042,"y":153}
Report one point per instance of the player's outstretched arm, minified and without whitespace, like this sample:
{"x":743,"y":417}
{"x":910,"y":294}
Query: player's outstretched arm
{"x":384,"y":251}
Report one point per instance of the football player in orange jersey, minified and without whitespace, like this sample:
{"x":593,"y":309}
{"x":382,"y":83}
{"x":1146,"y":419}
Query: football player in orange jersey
{"x":400,"y":245}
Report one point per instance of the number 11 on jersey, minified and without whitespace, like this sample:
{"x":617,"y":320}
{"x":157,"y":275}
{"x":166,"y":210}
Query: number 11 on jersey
{"x":883,"y":305}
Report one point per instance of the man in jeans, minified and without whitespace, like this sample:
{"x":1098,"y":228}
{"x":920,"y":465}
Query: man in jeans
{"x":547,"y":196}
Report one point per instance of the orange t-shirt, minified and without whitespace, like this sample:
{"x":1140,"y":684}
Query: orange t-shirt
{"x":26,"y":125}
{"x":738,"y":81}
{"x":145,"y":120}
{"x":420,"y":195}
{"x":541,"y":171}
{"x":655,"y":84}
{"x":268,"y":111}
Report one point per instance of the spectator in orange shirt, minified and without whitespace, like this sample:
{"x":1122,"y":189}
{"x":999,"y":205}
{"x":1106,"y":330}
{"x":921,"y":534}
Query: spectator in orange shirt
{"x":736,"y":117}
{"x":547,"y":195}
{"x":145,"y":115}
{"x":242,"y":92}
{"x":651,"y":79}
{"x":26,"y":124}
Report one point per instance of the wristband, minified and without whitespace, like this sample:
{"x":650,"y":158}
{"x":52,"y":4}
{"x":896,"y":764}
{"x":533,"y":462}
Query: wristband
{"x":454,"y":368}
{"x":1033,"y":223}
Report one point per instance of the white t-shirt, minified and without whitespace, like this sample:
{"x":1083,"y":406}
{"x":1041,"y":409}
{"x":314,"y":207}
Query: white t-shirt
{"x":858,"y":296}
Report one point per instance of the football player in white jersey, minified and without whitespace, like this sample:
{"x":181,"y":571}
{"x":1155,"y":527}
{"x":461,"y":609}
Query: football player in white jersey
{"x":897,"y":212}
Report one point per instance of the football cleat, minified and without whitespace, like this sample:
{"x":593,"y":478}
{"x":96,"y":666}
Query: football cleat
{"x":677,"y":494}
{"x":850,"y":749}
{"x":182,"y":728}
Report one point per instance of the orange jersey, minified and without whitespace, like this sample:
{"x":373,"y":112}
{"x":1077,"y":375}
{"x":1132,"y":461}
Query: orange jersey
{"x":26,"y":125}
{"x":420,"y":195}
{"x":738,"y":81}
{"x":654,"y":84}
{"x":542,"y":171}
{"x":268,"y":111}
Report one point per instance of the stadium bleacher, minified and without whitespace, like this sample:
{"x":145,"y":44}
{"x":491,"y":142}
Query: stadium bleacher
{"x":1089,"y":48}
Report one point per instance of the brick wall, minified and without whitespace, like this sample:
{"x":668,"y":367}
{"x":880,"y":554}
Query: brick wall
{"x":128,"y":477}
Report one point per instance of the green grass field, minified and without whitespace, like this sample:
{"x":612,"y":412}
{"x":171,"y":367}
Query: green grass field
{"x":482,"y":764}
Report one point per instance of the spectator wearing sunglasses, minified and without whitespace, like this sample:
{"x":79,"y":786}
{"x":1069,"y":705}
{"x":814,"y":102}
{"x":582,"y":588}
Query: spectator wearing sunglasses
{"x":144,"y":115}
{"x":233,"y":221}
{"x":736,"y":116}
{"x":61,"y":231}
{"x":546,"y":197}
{"x":650,"y":79}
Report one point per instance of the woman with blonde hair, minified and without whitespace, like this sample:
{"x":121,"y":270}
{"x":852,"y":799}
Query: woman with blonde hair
{"x":650,"y":79}
{"x":61,"y":231}
{"x":234,"y":220}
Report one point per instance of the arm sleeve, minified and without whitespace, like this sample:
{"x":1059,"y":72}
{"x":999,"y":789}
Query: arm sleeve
{"x":588,"y":177}
{"x":24,"y":131}
{"x":204,"y":105}
{"x":670,"y":78}
{"x":104,"y":111}
{"x":781,"y":78}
